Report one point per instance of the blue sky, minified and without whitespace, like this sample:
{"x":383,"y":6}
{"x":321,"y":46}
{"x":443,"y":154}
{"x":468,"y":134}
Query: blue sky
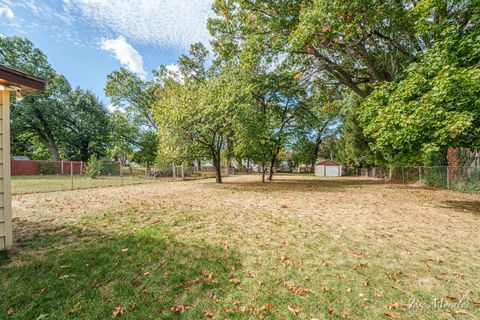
{"x":87,"y":39}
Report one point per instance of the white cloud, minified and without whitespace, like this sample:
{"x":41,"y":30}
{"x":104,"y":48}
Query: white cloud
{"x":113,"y":107}
{"x":126,"y":54}
{"x":176,"y":23}
{"x":174,"y":71}
{"x":7,"y":12}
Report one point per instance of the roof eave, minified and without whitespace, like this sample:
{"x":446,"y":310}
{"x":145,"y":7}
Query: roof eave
{"x":26,"y":83}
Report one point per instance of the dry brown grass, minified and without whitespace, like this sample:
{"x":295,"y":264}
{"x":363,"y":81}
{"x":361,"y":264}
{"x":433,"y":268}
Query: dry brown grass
{"x":345,"y":247}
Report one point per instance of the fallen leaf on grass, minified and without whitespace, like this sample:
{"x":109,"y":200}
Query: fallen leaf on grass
{"x":390,"y":316}
{"x":267,"y":306}
{"x":210,"y":314}
{"x":330,"y":312}
{"x":235,"y":281}
{"x":300,"y":291}
{"x":293,"y":310}
{"x":181,"y":308}
{"x":360,"y":265}
{"x":118,"y":311}
{"x":475,"y":303}
{"x":393,"y":279}
{"x":393,"y":305}
{"x":124,"y":249}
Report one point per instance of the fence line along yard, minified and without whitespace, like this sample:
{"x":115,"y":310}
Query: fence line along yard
{"x":460,"y":178}
{"x":31,"y":176}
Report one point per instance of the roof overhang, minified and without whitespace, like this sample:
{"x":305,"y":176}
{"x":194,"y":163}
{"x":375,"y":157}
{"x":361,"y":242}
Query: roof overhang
{"x":328,"y":163}
{"x":13,"y":78}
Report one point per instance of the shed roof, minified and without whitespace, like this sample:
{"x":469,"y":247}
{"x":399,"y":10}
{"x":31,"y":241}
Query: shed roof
{"x":328,"y":163}
{"x":27,"y":83}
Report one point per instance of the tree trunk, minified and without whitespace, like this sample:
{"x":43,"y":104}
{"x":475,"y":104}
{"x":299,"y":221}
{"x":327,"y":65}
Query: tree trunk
{"x":272,"y":164}
{"x":263,"y":172}
{"x":52,"y":147}
{"x":216,"y":165}
{"x":318,"y":140}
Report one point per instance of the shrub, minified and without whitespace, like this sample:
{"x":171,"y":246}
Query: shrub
{"x":94,"y":167}
{"x":47,"y":168}
{"x":110,"y":169}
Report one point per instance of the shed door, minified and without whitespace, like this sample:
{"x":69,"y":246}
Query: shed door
{"x":332,"y":171}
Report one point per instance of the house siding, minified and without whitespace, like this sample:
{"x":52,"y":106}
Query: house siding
{"x":5,"y":197}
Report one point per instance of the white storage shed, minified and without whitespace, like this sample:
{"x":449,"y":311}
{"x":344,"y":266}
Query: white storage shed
{"x":328,"y":168}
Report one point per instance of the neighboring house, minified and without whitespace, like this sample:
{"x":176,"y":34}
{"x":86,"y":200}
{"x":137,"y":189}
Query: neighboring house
{"x":328,"y":168}
{"x":20,"y":158}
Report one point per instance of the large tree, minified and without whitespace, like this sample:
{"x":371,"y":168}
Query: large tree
{"x":196,"y":112}
{"x":39,"y":114}
{"x":355,"y":43}
{"x":265,"y":126}
{"x":86,"y":126}
{"x":133,"y":126}
{"x":434,"y":106}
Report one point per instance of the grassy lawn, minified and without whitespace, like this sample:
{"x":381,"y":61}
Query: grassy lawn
{"x":33,"y":184}
{"x":297,"y":248}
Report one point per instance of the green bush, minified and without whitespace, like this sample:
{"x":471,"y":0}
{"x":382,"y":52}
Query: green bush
{"x":435,"y":176}
{"x":110,"y":169}
{"x":94,"y":167}
{"x":47,"y":168}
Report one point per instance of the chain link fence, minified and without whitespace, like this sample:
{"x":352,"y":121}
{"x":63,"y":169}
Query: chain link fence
{"x":466,"y":178}
{"x":32,"y":176}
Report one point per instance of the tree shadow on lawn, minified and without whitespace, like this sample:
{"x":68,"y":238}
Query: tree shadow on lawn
{"x":302,"y":185}
{"x":146,"y":275}
{"x":463,"y":206}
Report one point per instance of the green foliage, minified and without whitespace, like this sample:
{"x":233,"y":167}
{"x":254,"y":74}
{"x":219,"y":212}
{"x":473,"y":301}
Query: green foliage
{"x":94,"y":167}
{"x":87,"y":126}
{"x":133,"y":128}
{"x":46,"y":168}
{"x":109,"y":168}
{"x":433,"y":107}
{"x":39,"y":114}
{"x":69,"y":123}
{"x":196,"y":113}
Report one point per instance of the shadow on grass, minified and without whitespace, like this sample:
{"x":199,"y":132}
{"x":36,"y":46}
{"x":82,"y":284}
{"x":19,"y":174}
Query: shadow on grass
{"x":302,"y":185}
{"x":463,"y":206}
{"x":147,"y":274}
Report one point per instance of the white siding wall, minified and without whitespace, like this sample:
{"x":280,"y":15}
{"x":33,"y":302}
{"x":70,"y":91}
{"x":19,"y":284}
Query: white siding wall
{"x":5,"y":198}
{"x":320,"y":171}
{"x":328,"y":171}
